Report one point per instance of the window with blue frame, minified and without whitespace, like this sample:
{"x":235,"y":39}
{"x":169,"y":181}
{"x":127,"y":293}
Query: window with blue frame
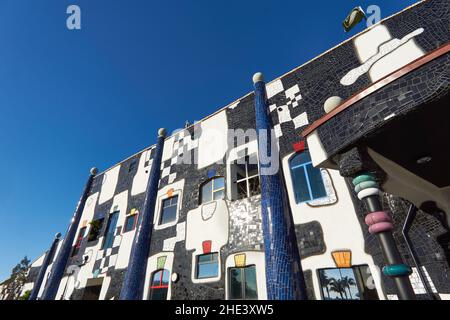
{"x":307,"y":180}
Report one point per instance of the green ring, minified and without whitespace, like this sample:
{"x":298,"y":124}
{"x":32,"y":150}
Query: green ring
{"x":364,"y":185}
{"x":397,"y":270}
{"x":362,"y":178}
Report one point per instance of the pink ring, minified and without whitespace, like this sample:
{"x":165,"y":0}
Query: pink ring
{"x":376,"y":217}
{"x":380,"y":227}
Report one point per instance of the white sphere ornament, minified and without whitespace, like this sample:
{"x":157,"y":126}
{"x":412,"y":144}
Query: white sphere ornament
{"x":174,"y":277}
{"x":162,"y":132}
{"x":331,"y":103}
{"x":257,"y":77}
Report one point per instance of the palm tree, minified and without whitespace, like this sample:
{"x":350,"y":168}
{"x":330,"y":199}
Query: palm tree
{"x":339,"y":287}
{"x":326,"y":282}
{"x":347,"y":282}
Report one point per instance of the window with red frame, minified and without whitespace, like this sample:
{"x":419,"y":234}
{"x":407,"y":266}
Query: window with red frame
{"x":159,"y":285}
{"x":77,"y":245}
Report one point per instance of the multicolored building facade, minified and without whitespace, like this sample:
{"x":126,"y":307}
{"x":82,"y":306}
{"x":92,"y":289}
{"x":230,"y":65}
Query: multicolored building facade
{"x":329,"y":182}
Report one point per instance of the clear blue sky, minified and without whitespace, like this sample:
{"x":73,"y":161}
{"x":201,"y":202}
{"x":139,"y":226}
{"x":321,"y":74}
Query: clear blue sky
{"x":70,"y":100}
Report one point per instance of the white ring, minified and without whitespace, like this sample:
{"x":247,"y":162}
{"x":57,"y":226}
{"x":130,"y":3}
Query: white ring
{"x":368,"y":192}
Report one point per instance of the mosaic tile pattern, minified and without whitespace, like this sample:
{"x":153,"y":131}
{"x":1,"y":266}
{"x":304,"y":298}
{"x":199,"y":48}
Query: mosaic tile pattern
{"x":245,"y":225}
{"x":310,"y":239}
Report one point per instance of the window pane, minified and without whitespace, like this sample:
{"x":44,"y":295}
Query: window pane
{"x":251,"y":289}
{"x":207,"y":265}
{"x":242,"y":189}
{"x":174,"y":200}
{"x":240,"y":171}
{"x":364,"y":278}
{"x":204,"y":258}
{"x":252,"y":166}
{"x":218,"y":195}
{"x":110,"y":229}
{"x":300,"y":185}
{"x":339,"y":284}
{"x":219,"y":183}
{"x":316,"y":182}
{"x":208,"y":270}
{"x":235,"y":283}
{"x":166,"y":203}
{"x":129,"y":224}
{"x":156,"y":281}
{"x":254,"y":186}
{"x":158,"y":293}
{"x":300,"y":158}
{"x":207,"y":192}
{"x":165,"y":277}
{"x":168,"y":214}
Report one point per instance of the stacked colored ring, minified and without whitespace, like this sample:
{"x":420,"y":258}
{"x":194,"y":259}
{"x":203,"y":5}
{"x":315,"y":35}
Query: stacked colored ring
{"x":397,"y":270}
{"x":363,"y":177}
{"x":365,"y":185}
{"x":379,"y":221}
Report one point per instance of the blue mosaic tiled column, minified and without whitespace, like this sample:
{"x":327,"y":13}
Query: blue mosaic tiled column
{"x":58,"y":267}
{"x":284,"y":281}
{"x":133,"y":284}
{"x":44,"y":266}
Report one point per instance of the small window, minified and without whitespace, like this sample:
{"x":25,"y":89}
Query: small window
{"x":159,"y":285}
{"x":307,"y":180}
{"x":96,"y":227}
{"x":208,"y":265}
{"x":168,"y":210}
{"x":110,"y":230}
{"x":77,"y":245}
{"x":245,"y":177}
{"x":213,"y":189}
{"x":353,"y":283}
{"x":130,"y":222}
{"x":242,"y":283}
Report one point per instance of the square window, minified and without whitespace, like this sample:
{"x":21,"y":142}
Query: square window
{"x":214,"y":189}
{"x":130,"y":222}
{"x":168,"y":210}
{"x":207,"y":265}
{"x":245,"y":177}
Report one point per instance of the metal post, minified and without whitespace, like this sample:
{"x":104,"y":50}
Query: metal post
{"x":48,"y":255}
{"x":281,"y":276}
{"x":58,"y":267}
{"x":380,"y":224}
{"x":133,"y":284}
